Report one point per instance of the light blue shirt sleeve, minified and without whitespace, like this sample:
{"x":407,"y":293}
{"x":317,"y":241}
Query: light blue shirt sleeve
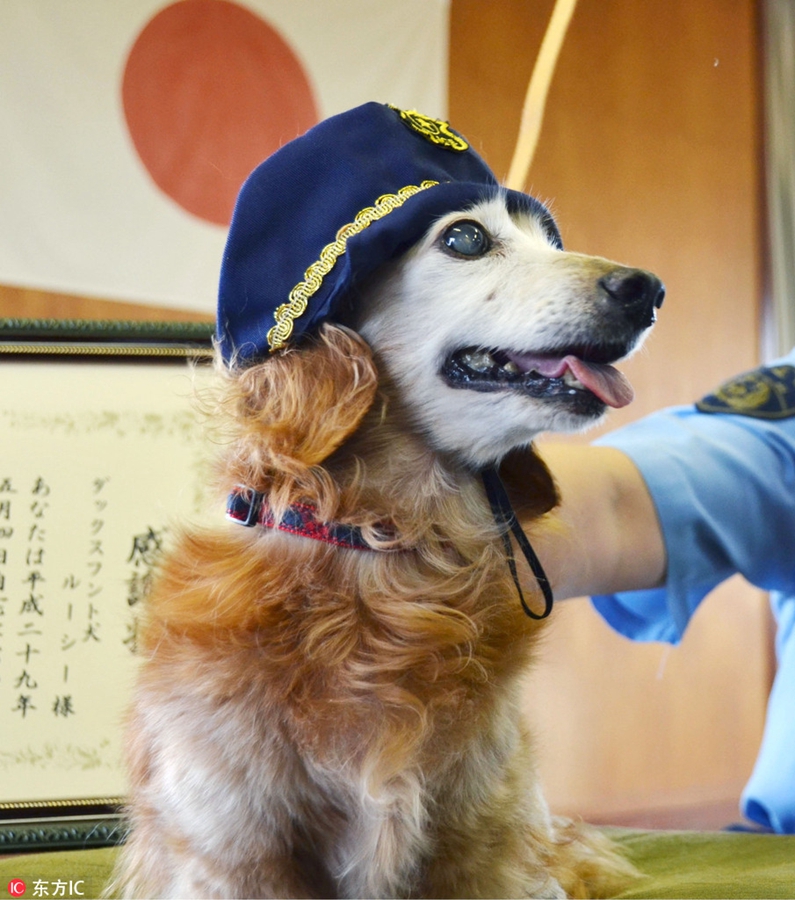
{"x":724,"y":489}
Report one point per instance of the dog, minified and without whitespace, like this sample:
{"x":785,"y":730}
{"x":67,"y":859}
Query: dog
{"x":329,"y":698}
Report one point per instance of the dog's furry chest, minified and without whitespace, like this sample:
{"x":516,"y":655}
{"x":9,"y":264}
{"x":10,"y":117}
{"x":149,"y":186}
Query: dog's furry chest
{"x":330,"y":649}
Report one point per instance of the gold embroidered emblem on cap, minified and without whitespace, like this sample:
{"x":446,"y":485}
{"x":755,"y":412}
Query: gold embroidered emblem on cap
{"x":434,"y":130}
{"x":300,"y":295}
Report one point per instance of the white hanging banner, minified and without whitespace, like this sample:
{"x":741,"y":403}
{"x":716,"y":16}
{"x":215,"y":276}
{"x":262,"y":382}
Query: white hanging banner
{"x":128,"y":127}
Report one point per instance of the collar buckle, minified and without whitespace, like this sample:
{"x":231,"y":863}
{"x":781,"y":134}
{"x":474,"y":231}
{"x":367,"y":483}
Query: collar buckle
{"x":243,"y":506}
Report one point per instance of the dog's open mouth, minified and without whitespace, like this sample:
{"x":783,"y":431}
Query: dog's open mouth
{"x":584,"y":377}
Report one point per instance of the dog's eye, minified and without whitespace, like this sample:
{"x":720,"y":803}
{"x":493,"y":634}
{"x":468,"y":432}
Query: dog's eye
{"x":466,"y":239}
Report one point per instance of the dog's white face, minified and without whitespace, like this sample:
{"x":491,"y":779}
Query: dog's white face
{"x":493,"y":334}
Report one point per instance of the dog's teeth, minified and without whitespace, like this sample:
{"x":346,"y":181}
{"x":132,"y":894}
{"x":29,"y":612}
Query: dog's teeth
{"x":511,"y":368}
{"x":479,"y":360}
{"x":570,"y":380}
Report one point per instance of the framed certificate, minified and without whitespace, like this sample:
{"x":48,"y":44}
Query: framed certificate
{"x":101,"y":455}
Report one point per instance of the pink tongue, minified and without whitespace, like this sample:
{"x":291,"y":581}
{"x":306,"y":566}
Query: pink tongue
{"x":609,"y":385}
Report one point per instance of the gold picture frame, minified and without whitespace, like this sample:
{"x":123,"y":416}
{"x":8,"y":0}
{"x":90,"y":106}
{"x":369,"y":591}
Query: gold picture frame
{"x":102,"y":453}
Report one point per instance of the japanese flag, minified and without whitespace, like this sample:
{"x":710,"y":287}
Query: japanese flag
{"x":129,"y":126}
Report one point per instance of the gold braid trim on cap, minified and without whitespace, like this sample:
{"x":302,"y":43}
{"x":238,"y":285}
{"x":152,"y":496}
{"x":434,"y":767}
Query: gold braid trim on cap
{"x":313,"y":277}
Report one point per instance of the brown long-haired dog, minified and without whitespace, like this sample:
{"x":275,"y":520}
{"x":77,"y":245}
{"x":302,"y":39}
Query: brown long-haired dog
{"x":336,"y":712}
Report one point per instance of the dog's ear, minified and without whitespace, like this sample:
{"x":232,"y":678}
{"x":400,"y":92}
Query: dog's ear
{"x":295,"y":409}
{"x":530,"y":484}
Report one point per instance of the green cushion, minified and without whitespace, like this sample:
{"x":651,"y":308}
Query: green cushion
{"x":676,"y":864}
{"x":710,"y":864}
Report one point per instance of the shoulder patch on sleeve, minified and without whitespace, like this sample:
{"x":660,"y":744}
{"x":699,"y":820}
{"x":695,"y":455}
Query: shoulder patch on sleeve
{"x":765,"y":393}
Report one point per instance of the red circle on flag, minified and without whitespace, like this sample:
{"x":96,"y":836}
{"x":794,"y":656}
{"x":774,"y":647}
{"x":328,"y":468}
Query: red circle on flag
{"x":209,"y":91}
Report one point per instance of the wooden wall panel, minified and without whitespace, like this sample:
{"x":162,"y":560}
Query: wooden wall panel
{"x":26,"y":303}
{"x":649,"y":154}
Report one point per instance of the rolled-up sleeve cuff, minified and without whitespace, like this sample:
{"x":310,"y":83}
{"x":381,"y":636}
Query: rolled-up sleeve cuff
{"x":640,"y":615}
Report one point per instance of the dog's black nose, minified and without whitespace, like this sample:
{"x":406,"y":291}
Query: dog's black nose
{"x":638,"y":292}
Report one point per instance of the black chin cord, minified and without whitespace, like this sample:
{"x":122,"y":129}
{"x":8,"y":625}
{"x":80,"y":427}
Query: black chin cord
{"x":505,"y":517}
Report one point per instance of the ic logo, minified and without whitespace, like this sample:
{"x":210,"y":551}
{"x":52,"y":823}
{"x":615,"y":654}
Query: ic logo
{"x":16,"y":887}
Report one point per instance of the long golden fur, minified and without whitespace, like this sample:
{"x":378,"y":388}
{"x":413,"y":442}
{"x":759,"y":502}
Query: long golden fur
{"x":312,"y":721}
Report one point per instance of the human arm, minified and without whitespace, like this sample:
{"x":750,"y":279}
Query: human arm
{"x":723,"y":487}
{"x":604,"y":536}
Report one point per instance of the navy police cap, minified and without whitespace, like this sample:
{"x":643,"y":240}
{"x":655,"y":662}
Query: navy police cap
{"x":330,"y":207}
